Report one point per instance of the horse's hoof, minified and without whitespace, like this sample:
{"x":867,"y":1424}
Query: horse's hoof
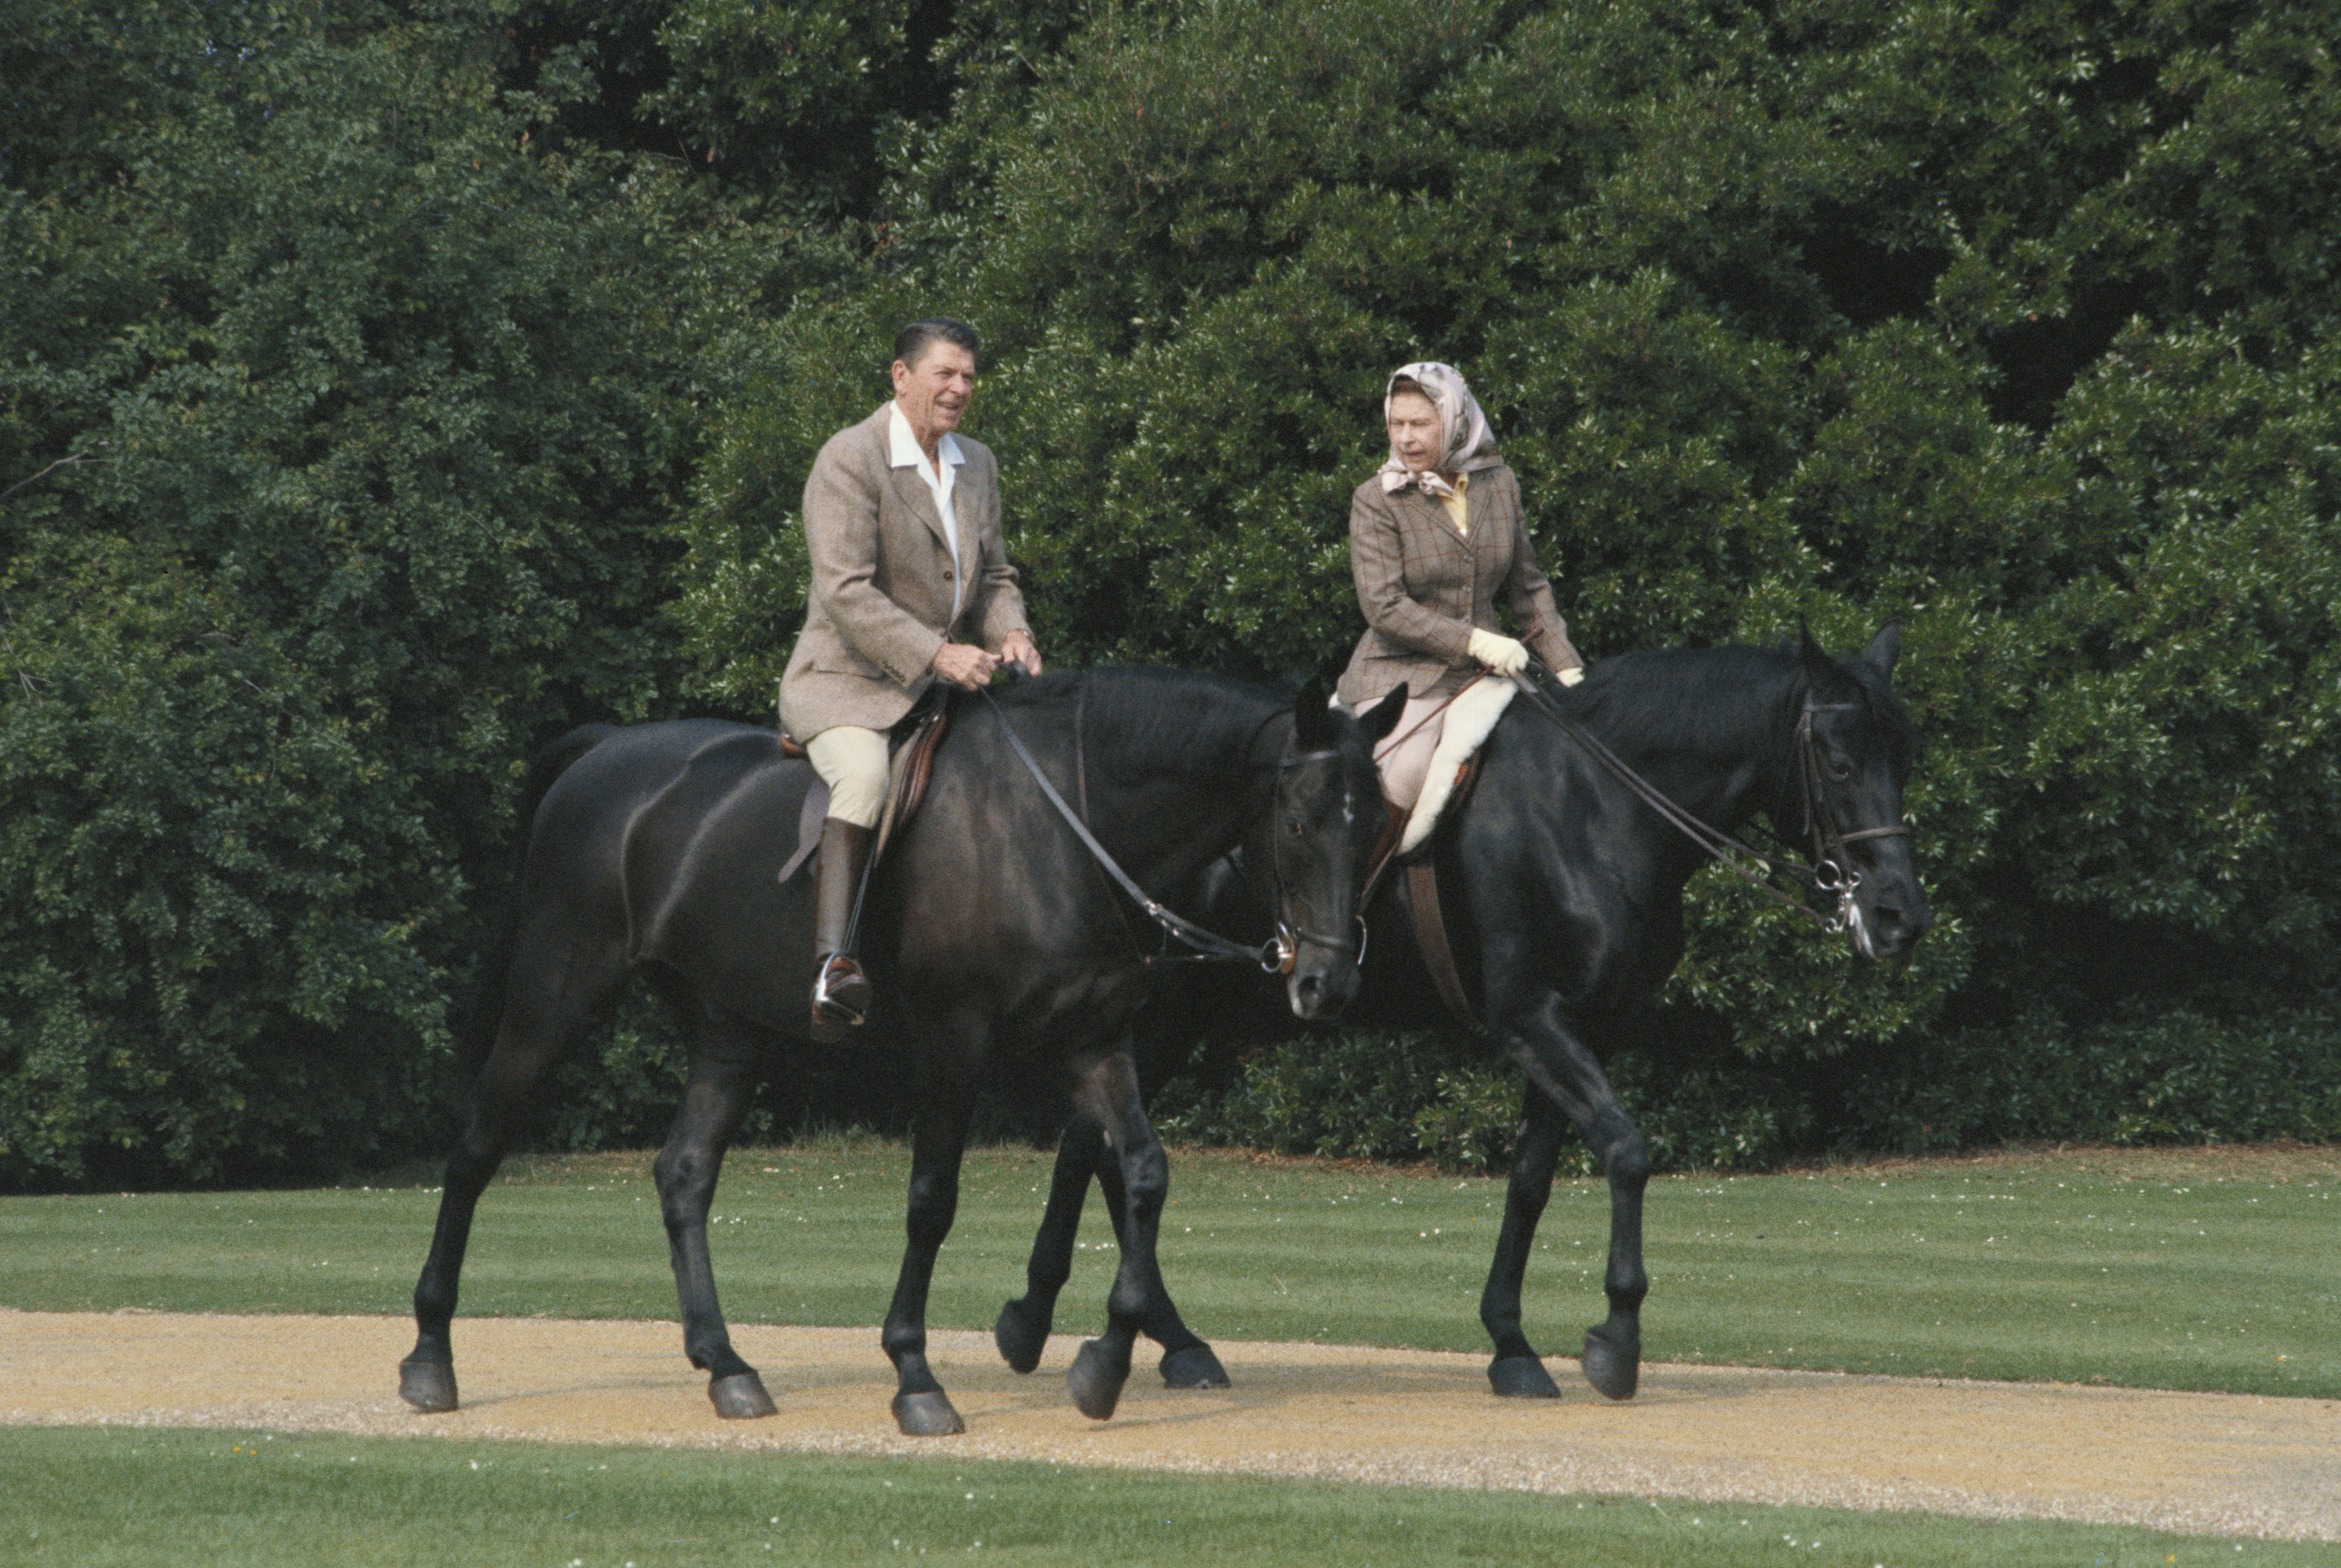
{"x":428,"y":1385}
{"x":741,"y":1397}
{"x":1020,"y":1339}
{"x":926,"y":1415}
{"x":1521,"y":1378}
{"x":1095,"y":1381}
{"x":1613,"y":1362}
{"x":1193,"y":1367}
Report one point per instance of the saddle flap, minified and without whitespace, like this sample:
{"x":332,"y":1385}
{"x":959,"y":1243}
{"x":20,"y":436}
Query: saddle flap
{"x":908,"y":770}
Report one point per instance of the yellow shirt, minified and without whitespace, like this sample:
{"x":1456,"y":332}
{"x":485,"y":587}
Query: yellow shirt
{"x":1457,"y":500}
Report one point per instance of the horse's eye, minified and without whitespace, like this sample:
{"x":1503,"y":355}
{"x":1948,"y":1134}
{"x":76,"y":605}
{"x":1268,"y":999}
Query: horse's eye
{"x":1839,"y":768}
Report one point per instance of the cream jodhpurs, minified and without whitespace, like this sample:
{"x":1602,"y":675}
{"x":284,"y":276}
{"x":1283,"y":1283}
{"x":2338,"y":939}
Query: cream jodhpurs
{"x":852,"y":762}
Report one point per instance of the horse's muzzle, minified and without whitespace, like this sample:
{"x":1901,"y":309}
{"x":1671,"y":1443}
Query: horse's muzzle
{"x":1889,"y":925}
{"x":1320,"y":990}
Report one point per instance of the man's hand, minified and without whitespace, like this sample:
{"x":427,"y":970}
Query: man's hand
{"x":964,"y":665}
{"x":1017,"y":649}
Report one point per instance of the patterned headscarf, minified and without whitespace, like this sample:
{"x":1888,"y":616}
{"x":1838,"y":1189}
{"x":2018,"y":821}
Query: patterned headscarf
{"x":1468,"y":445}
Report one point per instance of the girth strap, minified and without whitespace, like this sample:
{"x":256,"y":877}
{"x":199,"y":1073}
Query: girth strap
{"x":1430,"y":937}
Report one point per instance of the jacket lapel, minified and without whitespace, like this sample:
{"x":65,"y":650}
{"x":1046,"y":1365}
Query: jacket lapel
{"x":1433,"y":513}
{"x":911,"y":488}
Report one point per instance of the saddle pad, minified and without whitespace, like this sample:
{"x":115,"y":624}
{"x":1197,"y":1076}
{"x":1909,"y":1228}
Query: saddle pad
{"x":1469,"y":720}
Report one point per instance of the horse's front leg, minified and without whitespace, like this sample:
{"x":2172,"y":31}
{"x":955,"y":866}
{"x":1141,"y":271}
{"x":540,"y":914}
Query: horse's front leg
{"x":1565,"y":1079}
{"x":1022,"y":1330}
{"x":724,"y":1056}
{"x":946,"y":1099}
{"x":1107,"y":1091}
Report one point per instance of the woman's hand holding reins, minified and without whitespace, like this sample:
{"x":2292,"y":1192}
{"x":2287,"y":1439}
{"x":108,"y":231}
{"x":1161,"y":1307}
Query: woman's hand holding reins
{"x":1504,"y":655}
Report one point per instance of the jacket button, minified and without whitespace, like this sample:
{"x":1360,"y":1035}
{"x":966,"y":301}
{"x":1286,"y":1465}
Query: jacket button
{"x":947,"y":576}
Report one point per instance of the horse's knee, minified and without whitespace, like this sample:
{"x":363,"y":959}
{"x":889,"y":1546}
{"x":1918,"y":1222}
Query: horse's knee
{"x":685,"y":1179}
{"x":1146,"y":1182}
{"x":1625,"y":1159}
{"x":932,"y":1207}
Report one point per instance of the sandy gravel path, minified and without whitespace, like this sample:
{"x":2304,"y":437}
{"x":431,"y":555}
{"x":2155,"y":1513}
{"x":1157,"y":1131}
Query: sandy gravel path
{"x":2213,"y":1463}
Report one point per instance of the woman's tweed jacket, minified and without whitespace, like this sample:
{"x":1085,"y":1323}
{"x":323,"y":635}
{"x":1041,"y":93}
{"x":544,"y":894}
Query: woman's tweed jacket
{"x":1423,"y":587}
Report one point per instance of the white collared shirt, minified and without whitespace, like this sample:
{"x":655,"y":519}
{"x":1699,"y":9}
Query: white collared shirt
{"x":904,"y":453}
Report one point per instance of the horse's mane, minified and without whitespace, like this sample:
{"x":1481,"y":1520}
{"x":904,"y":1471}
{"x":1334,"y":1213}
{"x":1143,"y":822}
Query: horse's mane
{"x":1685,"y":699}
{"x":1151,"y":720}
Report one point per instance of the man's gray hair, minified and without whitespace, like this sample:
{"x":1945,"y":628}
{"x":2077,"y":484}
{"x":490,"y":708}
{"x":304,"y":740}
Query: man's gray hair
{"x":910,"y":344}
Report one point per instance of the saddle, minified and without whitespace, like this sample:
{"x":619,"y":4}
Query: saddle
{"x":911,"y":764}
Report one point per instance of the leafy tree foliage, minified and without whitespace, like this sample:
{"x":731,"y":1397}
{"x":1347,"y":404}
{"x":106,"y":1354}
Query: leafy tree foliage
{"x":2015,"y":322}
{"x":385,"y":388}
{"x":367,"y":415}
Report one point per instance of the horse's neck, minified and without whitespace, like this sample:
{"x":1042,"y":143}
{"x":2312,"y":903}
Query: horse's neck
{"x":1169,"y":827}
{"x":1724,"y":768}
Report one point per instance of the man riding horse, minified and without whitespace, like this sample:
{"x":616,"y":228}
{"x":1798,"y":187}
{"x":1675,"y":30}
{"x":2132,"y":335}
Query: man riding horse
{"x":909,"y":583}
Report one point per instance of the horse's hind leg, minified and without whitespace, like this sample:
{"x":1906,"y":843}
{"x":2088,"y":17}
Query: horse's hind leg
{"x":1022,"y":1331}
{"x":726,"y":1057}
{"x":552,"y":999}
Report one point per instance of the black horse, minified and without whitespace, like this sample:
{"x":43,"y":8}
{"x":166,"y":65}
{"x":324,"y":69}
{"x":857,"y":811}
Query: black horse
{"x":1562,"y":893}
{"x":655,"y":851}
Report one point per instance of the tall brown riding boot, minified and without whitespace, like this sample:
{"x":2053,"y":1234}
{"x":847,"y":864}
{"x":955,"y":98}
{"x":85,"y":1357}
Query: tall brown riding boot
{"x":841,"y":991}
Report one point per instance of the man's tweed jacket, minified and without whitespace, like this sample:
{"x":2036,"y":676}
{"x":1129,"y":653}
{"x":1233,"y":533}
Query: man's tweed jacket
{"x":1424,"y":587}
{"x":879,"y":601}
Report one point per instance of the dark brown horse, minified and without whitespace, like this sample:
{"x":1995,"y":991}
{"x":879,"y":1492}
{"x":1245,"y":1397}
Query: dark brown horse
{"x":653,"y":851}
{"x":1562,"y":891}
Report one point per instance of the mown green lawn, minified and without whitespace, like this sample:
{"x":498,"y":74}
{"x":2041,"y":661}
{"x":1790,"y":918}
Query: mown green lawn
{"x":125,"y":1498}
{"x":2195,"y":1269}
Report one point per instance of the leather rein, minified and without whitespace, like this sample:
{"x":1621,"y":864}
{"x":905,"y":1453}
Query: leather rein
{"x":1275,"y":955}
{"x":1829,"y":871}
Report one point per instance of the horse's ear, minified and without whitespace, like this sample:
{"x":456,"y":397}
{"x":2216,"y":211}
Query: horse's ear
{"x":1378,"y":722}
{"x":1312,"y":720}
{"x":1884,"y":649}
{"x":1818,"y":666}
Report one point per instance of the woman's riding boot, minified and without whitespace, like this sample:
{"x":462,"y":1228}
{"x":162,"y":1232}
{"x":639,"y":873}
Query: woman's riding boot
{"x":841,"y":991}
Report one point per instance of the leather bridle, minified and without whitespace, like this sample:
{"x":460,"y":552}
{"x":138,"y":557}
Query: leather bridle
{"x":1286,"y":944}
{"x":1277,"y":955}
{"x":1829,"y":872}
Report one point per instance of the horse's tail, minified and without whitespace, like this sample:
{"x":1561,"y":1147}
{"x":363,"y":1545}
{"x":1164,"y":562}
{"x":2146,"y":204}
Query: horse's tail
{"x":475,"y":1032}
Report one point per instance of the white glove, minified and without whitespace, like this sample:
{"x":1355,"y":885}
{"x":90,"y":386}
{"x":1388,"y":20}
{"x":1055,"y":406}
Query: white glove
{"x":1504,"y":655}
{"x":1572,"y":676}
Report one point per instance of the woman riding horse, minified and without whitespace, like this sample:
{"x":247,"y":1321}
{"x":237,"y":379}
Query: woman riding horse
{"x":1435,"y":537}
